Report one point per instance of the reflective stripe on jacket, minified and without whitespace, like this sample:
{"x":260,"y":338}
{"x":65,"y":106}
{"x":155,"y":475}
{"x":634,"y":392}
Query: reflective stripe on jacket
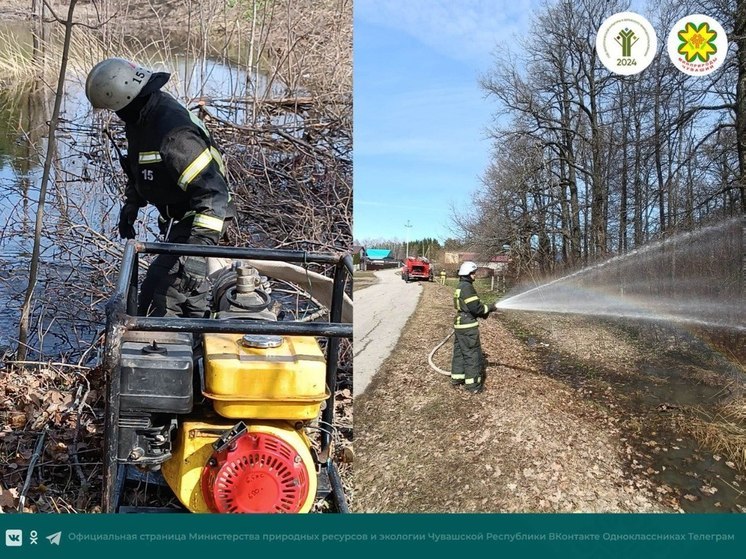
{"x":467,"y":304}
{"x":176,"y":167}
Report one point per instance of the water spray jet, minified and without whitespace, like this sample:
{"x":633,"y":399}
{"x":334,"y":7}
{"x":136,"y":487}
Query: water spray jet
{"x":695,"y":277}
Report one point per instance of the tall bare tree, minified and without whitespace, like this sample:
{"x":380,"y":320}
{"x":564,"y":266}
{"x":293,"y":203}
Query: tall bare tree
{"x":624,"y":158}
{"x":23,"y":330}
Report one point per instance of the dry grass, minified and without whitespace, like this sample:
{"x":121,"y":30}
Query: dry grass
{"x":363,"y":279}
{"x":527,"y":444}
{"x":16,"y":64}
{"x":20,"y":64}
{"x":723,"y":431}
{"x":578,"y":415}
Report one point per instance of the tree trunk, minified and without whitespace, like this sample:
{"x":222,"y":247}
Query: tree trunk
{"x":740,"y":38}
{"x":659,"y":173}
{"x":25,"y":320}
{"x":743,"y":258}
{"x":622,"y":246}
{"x":638,"y":238}
{"x":568,"y":155}
{"x":598,"y":199}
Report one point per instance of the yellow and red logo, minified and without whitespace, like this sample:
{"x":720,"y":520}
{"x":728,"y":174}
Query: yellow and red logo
{"x":698,"y":42}
{"x":697,"y":45}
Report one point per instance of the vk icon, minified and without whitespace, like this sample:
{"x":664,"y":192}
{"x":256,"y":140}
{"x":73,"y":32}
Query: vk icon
{"x":14,"y":538}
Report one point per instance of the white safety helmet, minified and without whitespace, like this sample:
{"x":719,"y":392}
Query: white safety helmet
{"x":113,"y":83}
{"x":467,"y":268}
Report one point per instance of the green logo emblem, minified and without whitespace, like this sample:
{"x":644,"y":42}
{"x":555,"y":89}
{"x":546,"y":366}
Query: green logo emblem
{"x":626,"y":43}
{"x":626,"y":38}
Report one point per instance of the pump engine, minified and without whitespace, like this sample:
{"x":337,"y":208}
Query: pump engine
{"x":222,"y":416}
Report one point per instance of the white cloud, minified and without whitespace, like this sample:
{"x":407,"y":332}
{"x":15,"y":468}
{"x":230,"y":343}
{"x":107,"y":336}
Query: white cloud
{"x":466,"y":30}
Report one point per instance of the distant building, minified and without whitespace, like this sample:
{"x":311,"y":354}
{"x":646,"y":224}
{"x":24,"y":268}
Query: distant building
{"x":451,"y":258}
{"x":358,"y":257}
{"x":497,"y":264}
{"x":379,"y":258}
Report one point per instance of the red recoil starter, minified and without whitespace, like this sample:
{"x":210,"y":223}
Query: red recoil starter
{"x":255,"y":473}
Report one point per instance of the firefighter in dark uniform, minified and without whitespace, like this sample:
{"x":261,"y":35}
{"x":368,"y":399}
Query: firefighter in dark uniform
{"x":468,"y":361}
{"x":173,"y":164}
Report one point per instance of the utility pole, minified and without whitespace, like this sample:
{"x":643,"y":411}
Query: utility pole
{"x":408,"y":225}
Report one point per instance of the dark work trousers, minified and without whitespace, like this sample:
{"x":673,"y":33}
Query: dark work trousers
{"x":161,"y":293}
{"x":468,"y":360}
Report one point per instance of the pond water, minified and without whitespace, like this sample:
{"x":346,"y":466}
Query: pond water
{"x":83,"y":203}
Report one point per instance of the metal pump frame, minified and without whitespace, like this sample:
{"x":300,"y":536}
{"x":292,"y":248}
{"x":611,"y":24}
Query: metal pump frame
{"x":121,"y":317}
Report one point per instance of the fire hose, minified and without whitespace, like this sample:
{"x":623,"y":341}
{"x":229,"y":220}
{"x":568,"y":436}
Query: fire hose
{"x":433,"y":366}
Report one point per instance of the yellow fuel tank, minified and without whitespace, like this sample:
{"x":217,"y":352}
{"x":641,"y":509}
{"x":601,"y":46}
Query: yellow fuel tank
{"x":250,"y":379}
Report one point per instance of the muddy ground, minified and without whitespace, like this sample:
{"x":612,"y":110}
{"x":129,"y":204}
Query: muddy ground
{"x":579,"y":415}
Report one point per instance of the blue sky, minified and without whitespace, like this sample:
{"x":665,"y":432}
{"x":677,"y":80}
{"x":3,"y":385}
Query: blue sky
{"x":420,"y":116}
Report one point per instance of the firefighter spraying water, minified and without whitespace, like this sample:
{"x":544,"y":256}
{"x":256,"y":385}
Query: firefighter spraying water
{"x":467,"y":366}
{"x":467,"y":363}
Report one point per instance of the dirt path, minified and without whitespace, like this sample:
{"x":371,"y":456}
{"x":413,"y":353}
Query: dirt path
{"x":529,"y":443}
{"x":381,"y":310}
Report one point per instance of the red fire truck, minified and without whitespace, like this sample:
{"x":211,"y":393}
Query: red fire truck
{"x":417,"y":268}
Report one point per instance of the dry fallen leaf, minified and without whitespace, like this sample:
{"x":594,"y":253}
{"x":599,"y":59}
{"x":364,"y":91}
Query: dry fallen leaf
{"x":8,"y":498}
{"x":710,"y":490}
{"x":348,"y":456}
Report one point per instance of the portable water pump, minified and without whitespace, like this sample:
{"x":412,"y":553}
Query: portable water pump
{"x":271,"y":385}
{"x":222,"y":415}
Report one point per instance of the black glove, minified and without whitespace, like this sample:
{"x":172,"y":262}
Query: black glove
{"x":493,"y":307}
{"x":127,"y":218}
{"x":193,"y":272}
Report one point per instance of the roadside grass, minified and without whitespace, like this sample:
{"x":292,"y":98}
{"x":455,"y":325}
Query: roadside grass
{"x":362,"y":279}
{"x":724,"y":430}
{"x":572,"y":419}
{"x":529,"y":443}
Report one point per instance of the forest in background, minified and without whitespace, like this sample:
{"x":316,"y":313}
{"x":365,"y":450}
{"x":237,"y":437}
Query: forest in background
{"x":586,"y":163}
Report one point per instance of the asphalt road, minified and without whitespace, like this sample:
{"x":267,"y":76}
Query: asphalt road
{"x":381,"y":310}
